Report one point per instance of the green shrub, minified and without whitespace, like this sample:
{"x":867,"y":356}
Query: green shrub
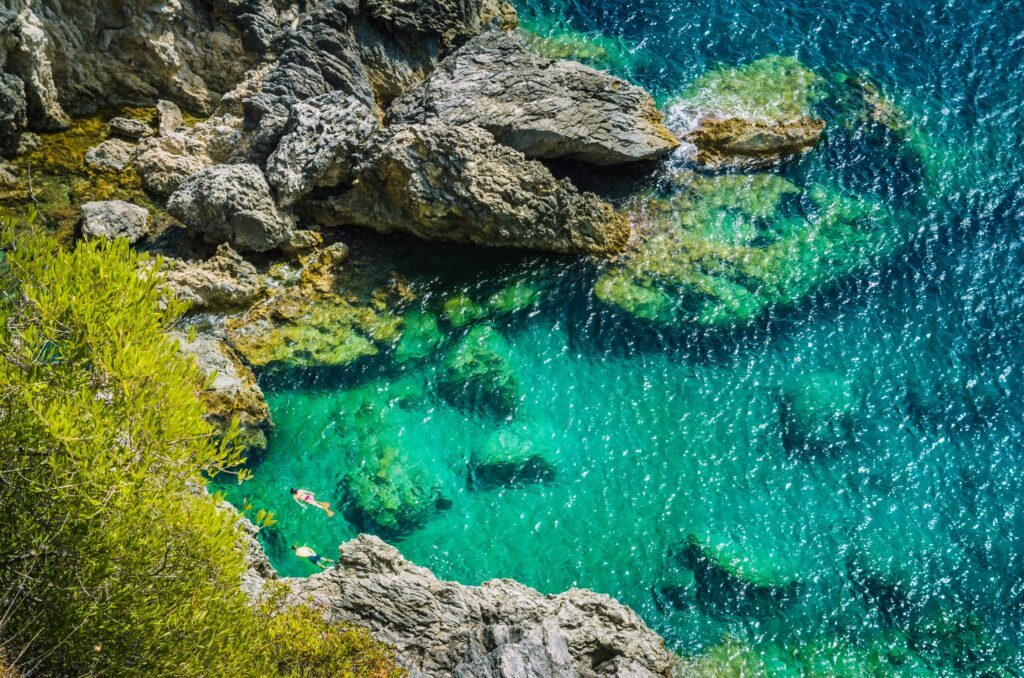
{"x":112,"y":558}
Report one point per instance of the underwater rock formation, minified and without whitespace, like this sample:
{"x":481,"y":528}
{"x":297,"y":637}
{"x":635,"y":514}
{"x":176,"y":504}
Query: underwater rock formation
{"x":232,"y":204}
{"x":750,"y":116}
{"x":723,"y":249}
{"x":458,"y":184}
{"x":513,"y":455}
{"x":223,"y":282}
{"x":421,"y":336}
{"x":319,"y":145}
{"x":478,"y":375}
{"x":500,"y":628}
{"x":109,"y":219}
{"x":389,"y":495}
{"x":544,"y":108}
{"x":233,"y":392}
{"x":818,"y":411}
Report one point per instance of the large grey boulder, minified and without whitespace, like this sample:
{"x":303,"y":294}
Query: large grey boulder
{"x":110,"y":219}
{"x":319,"y":145}
{"x":232,"y":204}
{"x":224,"y":282}
{"x":164,"y":162}
{"x":500,"y":628}
{"x":13,"y":112}
{"x":458,"y":184}
{"x":112,"y":155}
{"x":542,"y":107}
{"x":168,"y":117}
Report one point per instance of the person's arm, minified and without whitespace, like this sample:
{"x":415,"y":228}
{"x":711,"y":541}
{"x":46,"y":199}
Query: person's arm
{"x":301,"y":503}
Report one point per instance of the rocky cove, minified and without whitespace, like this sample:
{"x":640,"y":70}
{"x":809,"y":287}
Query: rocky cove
{"x":285,"y":161}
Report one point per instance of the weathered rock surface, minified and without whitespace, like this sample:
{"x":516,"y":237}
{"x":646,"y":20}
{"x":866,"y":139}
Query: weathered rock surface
{"x":110,"y":219}
{"x":753,"y":143}
{"x":319,"y":145}
{"x":163,"y":163}
{"x":13,"y":112}
{"x":129,"y":128}
{"x":234,"y":391}
{"x":24,"y":52}
{"x":168,"y":117}
{"x":232,"y":204}
{"x":458,"y":184}
{"x":223,"y":282}
{"x":542,"y":107}
{"x":500,"y":628}
{"x":112,"y":155}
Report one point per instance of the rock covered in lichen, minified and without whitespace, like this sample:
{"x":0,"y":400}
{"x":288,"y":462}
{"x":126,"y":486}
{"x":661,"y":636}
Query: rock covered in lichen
{"x":112,"y":155}
{"x":232,"y":204}
{"x":110,"y":219}
{"x":542,"y":107}
{"x":458,"y":184}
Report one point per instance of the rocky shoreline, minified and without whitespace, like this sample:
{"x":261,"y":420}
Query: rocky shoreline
{"x":440,"y":121}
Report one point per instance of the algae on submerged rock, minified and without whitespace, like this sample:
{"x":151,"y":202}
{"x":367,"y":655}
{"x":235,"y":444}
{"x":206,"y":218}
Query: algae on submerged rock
{"x":514,"y":455}
{"x":478,"y":376}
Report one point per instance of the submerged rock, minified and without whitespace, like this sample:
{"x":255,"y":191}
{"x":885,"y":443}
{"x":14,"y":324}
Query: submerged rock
{"x":457,"y":184}
{"x":233,"y":392}
{"x":818,"y":412}
{"x":500,"y":628}
{"x":319,"y":145}
{"x":223,"y":282}
{"x":723,"y":249}
{"x":513,"y":455}
{"x":751,"y":115}
{"x":542,"y":107}
{"x":478,"y":375}
{"x":734,"y":579}
{"x":421,"y":336}
{"x":110,"y":219}
{"x":232,"y":204}
{"x":389,"y":495}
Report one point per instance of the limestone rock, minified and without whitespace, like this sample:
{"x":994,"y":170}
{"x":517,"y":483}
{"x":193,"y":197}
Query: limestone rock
{"x":752,"y":143}
{"x":500,"y":628}
{"x":129,"y":128}
{"x":542,"y":107}
{"x":13,"y":112}
{"x":164,"y":162}
{"x":110,"y":219}
{"x":223,"y":282}
{"x":234,"y":391}
{"x":112,"y":155}
{"x":319,"y":145}
{"x":231,"y":203}
{"x":458,"y":184}
{"x":27,"y":50}
{"x":168,"y":117}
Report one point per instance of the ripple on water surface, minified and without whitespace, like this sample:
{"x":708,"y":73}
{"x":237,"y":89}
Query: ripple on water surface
{"x":827,"y":483}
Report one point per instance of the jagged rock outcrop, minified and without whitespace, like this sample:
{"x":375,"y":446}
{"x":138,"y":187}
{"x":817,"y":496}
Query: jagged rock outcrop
{"x":164,"y":162}
{"x":129,"y":128}
{"x":223,"y":282}
{"x":110,"y":219}
{"x":500,"y":628}
{"x":458,"y":184}
{"x":751,"y":142}
{"x":232,"y":204}
{"x":234,"y":391}
{"x":542,"y":107}
{"x":319,"y":145}
{"x":24,"y":54}
{"x":13,"y":112}
{"x":90,"y":54}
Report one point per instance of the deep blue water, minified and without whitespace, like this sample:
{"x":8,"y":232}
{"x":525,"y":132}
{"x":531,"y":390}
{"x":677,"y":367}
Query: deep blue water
{"x":898,"y":546}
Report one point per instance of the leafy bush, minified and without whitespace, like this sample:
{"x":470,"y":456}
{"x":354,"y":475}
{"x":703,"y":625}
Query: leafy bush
{"x":112,"y":558}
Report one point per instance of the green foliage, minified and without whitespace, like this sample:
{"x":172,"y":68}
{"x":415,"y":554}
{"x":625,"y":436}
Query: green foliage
{"x":113,"y":560}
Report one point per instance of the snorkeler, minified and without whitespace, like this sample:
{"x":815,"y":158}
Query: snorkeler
{"x":311,"y":555}
{"x":303,"y":497}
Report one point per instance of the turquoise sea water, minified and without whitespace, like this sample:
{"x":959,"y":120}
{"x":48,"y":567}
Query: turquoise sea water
{"x":855,"y":457}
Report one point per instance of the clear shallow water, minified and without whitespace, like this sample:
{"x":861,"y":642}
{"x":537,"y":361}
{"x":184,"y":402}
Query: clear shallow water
{"x":896,"y":543}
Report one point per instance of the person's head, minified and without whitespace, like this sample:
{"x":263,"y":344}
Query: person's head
{"x":293,"y":491}
{"x":295,"y":547}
